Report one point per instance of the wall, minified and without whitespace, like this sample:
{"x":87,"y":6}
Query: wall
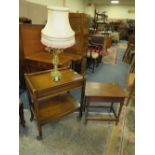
{"x":89,"y":9}
{"x":118,"y":12}
{"x":37,"y":12}
{"x":75,"y":5}
{"x":23,"y":8}
{"x":47,"y":2}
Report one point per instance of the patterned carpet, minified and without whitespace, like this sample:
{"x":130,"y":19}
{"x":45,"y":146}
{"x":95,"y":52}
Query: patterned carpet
{"x":71,"y":137}
{"x":122,"y":140}
{"x":122,"y":45}
{"x":67,"y":136}
{"x":111,"y":57}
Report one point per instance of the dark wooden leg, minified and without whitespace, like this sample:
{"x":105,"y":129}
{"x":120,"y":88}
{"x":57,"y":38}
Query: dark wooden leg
{"x":97,"y":62}
{"x":111,"y":109}
{"x":119,"y":112}
{"x":84,"y":106}
{"x":82,"y":103}
{"x":87,"y":109}
{"x":21,"y":114}
{"x":125,"y":56}
{"x":31,"y":106}
{"x":93,"y":65}
{"x":39,"y":137}
{"x":130,"y":94}
{"x":32,"y":115}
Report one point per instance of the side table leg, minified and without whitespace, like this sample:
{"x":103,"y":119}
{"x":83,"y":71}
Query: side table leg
{"x":84,"y":105}
{"x":32,"y":115}
{"x":31,"y":106}
{"x":93,"y":65}
{"x":39,"y":137}
{"x":119,"y":112}
{"x":21,"y":114}
{"x":111,"y":106}
{"x":86,"y":109}
{"x":82,"y":102}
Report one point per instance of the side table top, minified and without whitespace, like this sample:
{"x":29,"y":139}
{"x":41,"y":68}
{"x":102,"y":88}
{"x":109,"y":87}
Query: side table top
{"x":42,"y":80}
{"x":95,"y":89}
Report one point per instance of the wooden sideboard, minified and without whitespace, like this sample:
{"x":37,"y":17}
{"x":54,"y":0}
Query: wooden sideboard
{"x":33,"y":53}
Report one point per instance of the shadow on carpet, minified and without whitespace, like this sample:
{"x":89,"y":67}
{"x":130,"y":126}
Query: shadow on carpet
{"x":68,"y":136}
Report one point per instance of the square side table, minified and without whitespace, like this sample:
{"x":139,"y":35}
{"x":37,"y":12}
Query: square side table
{"x":50,"y":100}
{"x":103,"y":92}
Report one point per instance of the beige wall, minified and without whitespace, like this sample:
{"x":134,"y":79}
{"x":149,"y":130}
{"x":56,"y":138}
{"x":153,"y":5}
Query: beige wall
{"x":47,"y":2}
{"x":37,"y":12}
{"x":118,"y":12}
{"x":75,"y":5}
{"x":90,"y":10}
{"x":22,"y":8}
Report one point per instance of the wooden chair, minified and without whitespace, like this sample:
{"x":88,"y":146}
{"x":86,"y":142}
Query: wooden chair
{"x":129,"y":54}
{"x":100,"y":21}
{"x":132,"y":65}
{"x":130,"y":87}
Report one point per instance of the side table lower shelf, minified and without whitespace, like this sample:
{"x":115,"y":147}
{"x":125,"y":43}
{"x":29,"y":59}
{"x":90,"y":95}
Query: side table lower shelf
{"x":55,"y":108}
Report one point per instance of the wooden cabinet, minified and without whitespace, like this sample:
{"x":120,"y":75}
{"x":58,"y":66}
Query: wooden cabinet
{"x":35,"y":56}
{"x":79,"y":23}
{"x":49,"y":100}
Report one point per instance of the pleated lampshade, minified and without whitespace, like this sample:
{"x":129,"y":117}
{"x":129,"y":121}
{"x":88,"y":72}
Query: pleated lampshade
{"x":58,"y":33}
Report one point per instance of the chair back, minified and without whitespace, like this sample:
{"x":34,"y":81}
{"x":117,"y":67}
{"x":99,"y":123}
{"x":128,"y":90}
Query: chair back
{"x":107,"y":42}
{"x":130,"y":86}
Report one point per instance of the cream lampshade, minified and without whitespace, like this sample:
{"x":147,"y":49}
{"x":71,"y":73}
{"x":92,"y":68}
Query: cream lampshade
{"x":57,"y":35}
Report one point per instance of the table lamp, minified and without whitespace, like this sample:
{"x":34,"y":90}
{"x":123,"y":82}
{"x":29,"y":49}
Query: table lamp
{"x":57,"y":35}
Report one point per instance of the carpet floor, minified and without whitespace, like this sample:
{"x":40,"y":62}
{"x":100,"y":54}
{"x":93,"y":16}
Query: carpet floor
{"x":122,"y":139}
{"x":68,"y":136}
{"x":111,"y":57}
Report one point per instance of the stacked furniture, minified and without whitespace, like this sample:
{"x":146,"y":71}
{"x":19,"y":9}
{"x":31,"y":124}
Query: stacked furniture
{"x":100,"y":21}
{"x":125,"y":28}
